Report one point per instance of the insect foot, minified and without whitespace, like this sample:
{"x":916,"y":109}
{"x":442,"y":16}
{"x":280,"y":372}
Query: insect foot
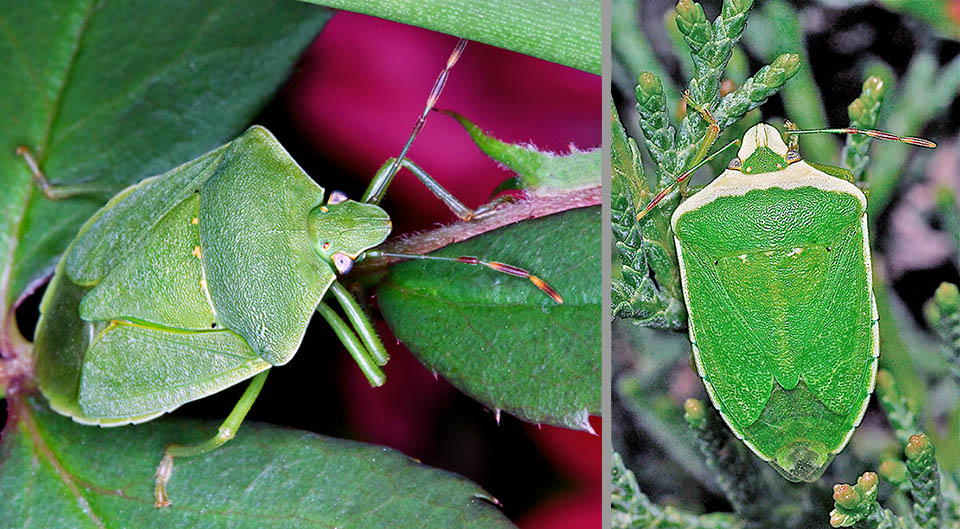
{"x":163,"y":476}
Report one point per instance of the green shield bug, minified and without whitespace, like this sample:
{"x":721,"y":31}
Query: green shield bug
{"x":774,"y":260}
{"x":213,"y":268}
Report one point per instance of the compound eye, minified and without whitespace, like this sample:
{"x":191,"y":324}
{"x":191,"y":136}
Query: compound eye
{"x":336,"y":197}
{"x":792,"y":156}
{"x":342,"y":262}
{"x":735,"y":164}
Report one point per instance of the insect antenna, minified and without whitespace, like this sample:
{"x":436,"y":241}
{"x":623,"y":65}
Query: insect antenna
{"x":878,"y":134}
{"x":665,"y":191}
{"x":494,"y":265}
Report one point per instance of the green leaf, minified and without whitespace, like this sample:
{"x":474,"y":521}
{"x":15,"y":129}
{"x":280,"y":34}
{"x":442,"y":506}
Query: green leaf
{"x":540,"y":172}
{"x":105,"y":93}
{"x":518,"y":350}
{"x":56,"y":473}
{"x":941,"y":16}
{"x":562,"y":31}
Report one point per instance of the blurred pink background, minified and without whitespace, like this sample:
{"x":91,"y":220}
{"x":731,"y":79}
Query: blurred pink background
{"x":365,"y":80}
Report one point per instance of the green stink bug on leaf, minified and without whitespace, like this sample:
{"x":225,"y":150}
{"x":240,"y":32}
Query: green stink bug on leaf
{"x":213,"y":268}
{"x":774,"y":260}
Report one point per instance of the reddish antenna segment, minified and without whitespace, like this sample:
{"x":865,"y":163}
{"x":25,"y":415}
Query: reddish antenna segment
{"x":878,"y":134}
{"x":494,"y":265}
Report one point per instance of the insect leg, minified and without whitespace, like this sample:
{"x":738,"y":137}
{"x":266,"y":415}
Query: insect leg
{"x":699,"y":159}
{"x":359,"y":353}
{"x":457,"y":207}
{"x":713,"y":130}
{"x":361,"y":324}
{"x":792,"y":139}
{"x":384,"y":176}
{"x":226,"y":432}
{"x":378,"y":187}
{"x":494,"y":265}
{"x":56,"y":192}
{"x":840,"y":172}
{"x":665,"y":191}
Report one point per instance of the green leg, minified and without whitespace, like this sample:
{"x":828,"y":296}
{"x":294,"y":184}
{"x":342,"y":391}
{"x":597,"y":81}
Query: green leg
{"x":359,"y":353}
{"x":470,"y":260}
{"x":226,"y":432}
{"x":381,"y":181}
{"x":57,"y":192}
{"x":378,"y":187}
{"x":713,"y":130}
{"x":839,"y":172}
{"x":457,"y":207}
{"x":360,"y":324}
{"x":683,"y":178}
{"x":793,"y":140}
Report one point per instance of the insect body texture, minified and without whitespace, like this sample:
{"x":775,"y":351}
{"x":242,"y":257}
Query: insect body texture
{"x":775,"y":265}
{"x":192,"y":281}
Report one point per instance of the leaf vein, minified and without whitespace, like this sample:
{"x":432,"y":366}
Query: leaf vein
{"x":146,"y":81}
{"x":57,"y":102}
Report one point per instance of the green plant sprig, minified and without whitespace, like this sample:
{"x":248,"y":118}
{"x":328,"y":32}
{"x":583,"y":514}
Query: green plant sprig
{"x":648,"y":288}
{"x":943,"y":315}
{"x":921,"y":480}
{"x":904,"y":421}
{"x":739,"y":478}
{"x":924,"y":478}
{"x":864,"y":113}
{"x":934,"y":496}
{"x":631,"y":509}
{"x":635,"y":294}
{"x":859,"y":502}
{"x":711,"y":47}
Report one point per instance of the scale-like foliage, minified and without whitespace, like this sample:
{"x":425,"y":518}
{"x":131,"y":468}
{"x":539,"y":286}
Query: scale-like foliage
{"x":649,"y":287}
{"x":943,"y":315}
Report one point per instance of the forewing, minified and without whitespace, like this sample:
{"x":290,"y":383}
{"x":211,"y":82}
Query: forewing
{"x":114,"y":235}
{"x":771,"y":257}
{"x":120,"y":227}
{"x":264,"y":277}
{"x":138,"y":370}
{"x":732,"y":358}
{"x":61,"y":342}
{"x":777,"y":292}
{"x":162,"y":282}
{"x":838,"y":355}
